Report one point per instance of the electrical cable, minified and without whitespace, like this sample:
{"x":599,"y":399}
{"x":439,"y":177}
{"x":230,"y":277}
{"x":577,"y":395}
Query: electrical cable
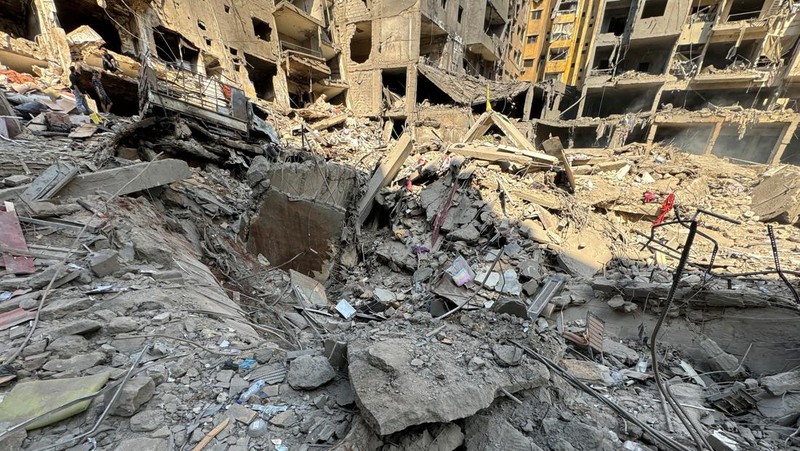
{"x":699,"y":440}
{"x":658,"y":436}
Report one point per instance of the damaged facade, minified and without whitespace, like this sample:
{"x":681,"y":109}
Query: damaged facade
{"x":353,"y":225}
{"x":707,"y":77}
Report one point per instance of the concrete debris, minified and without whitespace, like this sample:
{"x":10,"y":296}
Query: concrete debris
{"x":120,"y":181}
{"x":779,"y":384}
{"x":336,"y":253}
{"x":134,"y":394}
{"x":307,"y":372}
{"x":777,"y":195}
{"x":487,"y":433}
{"x":380,"y":369}
{"x":719,"y":360}
{"x":589,"y":372}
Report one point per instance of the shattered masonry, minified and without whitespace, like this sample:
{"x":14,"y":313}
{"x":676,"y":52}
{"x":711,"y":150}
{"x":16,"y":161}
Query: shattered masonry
{"x":372,"y":225}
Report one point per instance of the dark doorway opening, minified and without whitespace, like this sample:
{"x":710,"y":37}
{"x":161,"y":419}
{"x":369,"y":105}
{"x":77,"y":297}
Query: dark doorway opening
{"x":261,"y":73}
{"x":74,"y":13}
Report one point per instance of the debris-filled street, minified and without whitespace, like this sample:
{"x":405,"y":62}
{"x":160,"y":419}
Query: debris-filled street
{"x":188,"y":265}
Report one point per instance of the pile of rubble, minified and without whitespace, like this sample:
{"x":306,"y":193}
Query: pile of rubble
{"x":321,"y":285}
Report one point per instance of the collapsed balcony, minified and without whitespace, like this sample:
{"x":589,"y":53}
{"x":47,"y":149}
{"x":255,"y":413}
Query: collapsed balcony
{"x":174,"y":89}
{"x":299,"y":34}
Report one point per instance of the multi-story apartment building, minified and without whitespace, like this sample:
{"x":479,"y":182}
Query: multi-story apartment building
{"x":709,"y":76}
{"x":363,"y":53}
{"x":384,"y":41}
{"x":570,"y":35}
{"x":537,"y":35}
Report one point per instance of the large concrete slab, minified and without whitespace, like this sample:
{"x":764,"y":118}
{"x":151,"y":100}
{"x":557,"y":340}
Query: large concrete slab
{"x":776,"y":198}
{"x":125,"y":180}
{"x":393,"y":391}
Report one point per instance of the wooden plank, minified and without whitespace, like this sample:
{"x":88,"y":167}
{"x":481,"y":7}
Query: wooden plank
{"x":553,"y":147}
{"x":385,"y":173}
{"x":11,"y":237}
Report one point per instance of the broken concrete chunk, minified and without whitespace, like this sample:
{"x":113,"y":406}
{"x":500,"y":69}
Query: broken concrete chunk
{"x":530,"y":269}
{"x":509,"y":283}
{"x":616,"y":303}
{"x":79,"y":327}
{"x":494,"y":433}
{"x":589,"y":372}
{"x":620,"y":351}
{"x":307,"y":372}
{"x":134,"y":394}
{"x":777,"y":195}
{"x":506,"y":355}
{"x":467,"y":233}
{"x":530,"y":287}
{"x":104,"y":263}
{"x":12,"y":440}
{"x":383,"y":295}
{"x":310,"y":292}
{"x":124,"y":180}
{"x":241,"y":413}
{"x":139,"y":444}
{"x":147,"y":420}
{"x":464,"y":393}
{"x":781,"y":383}
{"x":122,"y":324}
{"x":258,"y":171}
{"x":720,"y":360}
{"x":68,"y":345}
{"x":16,"y":180}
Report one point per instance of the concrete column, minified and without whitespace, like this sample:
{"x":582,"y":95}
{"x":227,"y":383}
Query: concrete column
{"x":713,"y":138}
{"x":53,"y":36}
{"x":785,"y":138}
{"x":411,"y":89}
{"x":651,"y":136}
{"x":582,"y":102}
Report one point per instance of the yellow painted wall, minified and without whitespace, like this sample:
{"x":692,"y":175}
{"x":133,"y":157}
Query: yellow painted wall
{"x":540,"y":28}
{"x":569,"y":70}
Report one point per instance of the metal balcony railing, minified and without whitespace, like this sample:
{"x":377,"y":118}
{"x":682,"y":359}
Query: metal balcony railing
{"x":300,"y":49}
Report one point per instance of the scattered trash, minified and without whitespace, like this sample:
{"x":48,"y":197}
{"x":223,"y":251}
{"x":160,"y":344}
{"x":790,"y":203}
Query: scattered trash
{"x":345,"y":309}
{"x":254,"y":388}
{"x":461,"y":272}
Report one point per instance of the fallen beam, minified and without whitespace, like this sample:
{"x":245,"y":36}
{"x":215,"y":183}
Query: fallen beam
{"x":553,"y":147}
{"x":329,"y":122}
{"x":493,"y":153}
{"x":385,"y":173}
{"x":125,"y":180}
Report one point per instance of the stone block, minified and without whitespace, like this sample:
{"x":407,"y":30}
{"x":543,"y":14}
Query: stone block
{"x":104,"y":263}
{"x":134,"y":394}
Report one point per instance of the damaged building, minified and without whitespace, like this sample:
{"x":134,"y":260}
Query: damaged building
{"x":707,"y":77}
{"x":434,"y":225}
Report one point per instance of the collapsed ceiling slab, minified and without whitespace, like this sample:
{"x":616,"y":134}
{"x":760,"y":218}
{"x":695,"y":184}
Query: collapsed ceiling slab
{"x":468,"y":90}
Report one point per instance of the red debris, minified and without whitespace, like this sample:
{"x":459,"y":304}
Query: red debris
{"x":666,"y":207}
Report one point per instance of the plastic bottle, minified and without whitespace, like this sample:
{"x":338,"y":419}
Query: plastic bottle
{"x":255,"y":388}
